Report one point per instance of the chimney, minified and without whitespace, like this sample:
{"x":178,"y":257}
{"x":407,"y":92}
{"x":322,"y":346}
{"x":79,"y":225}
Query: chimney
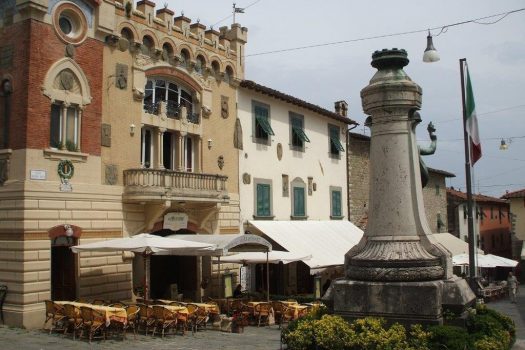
{"x":341,"y":108}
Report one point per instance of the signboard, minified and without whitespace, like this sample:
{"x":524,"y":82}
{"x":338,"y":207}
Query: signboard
{"x":38,"y":175}
{"x":175,"y":221}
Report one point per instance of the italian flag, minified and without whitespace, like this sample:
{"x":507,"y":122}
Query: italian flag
{"x":472,"y":124}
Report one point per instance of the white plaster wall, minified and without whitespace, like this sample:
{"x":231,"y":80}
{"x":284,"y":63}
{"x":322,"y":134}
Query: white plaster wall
{"x":463,"y":224}
{"x":260,"y":161}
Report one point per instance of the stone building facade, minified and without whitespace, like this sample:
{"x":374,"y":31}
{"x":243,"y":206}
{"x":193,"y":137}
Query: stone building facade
{"x":517,"y":220}
{"x":434,"y":194}
{"x":124,"y":114}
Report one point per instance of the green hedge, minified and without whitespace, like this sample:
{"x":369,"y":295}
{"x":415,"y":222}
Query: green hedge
{"x":486,"y":330}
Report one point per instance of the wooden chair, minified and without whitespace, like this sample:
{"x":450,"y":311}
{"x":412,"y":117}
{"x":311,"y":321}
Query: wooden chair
{"x":118,"y":304}
{"x":278,"y":311}
{"x":73,"y":319}
{"x":93,"y":322}
{"x":55,"y":314}
{"x":146,"y":318}
{"x":98,"y":302}
{"x":262,"y":313}
{"x":164,"y":319}
{"x":132,"y":312}
{"x":287,"y":314}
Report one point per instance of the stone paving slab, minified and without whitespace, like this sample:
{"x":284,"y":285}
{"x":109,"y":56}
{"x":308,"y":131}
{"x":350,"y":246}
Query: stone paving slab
{"x":516,"y":312}
{"x":263,"y":338}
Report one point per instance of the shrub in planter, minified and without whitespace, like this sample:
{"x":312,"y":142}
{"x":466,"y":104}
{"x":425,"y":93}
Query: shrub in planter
{"x":449,"y":337}
{"x":333,"y":333}
{"x":499,"y":342}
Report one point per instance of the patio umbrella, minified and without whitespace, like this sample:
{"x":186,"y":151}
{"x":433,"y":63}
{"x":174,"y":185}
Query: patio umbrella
{"x":272,"y":257}
{"x":146,"y":244}
{"x":482,"y":260}
{"x":501,"y":261}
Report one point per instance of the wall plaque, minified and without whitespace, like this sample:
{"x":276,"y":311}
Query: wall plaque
{"x":38,"y":174}
{"x":111,"y":174}
{"x":121,"y":76}
{"x":105,"y":137}
{"x":175,"y":221}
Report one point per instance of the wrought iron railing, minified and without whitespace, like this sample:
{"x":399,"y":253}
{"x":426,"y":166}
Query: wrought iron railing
{"x":151,"y":107}
{"x":193,"y":118}
{"x":172,"y":110}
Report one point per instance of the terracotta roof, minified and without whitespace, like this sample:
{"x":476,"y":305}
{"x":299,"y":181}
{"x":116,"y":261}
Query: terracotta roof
{"x":359,"y":136}
{"x":442,"y":172}
{"x":514,"y":194}
{"x":248,"y":84}
{"x":477,"y":197}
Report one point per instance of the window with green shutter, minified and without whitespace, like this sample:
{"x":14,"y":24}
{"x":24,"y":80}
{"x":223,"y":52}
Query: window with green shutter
{"x":335,"y":144}
{"x":336,"y":204}
{"x":262,"y":122}
{"x":298,"y":202}
{"x":263,"y":200}
{"x":298,"y":135}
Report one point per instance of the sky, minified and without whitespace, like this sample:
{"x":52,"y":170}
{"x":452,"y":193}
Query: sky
{"x":494,"y":49}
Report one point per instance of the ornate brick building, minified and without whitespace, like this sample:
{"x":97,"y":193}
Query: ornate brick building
{"x":123,"y":114}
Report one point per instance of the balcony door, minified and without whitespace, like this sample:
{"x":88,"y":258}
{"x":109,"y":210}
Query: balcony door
{"x":145,"y":151}
{"x":168,"y":157}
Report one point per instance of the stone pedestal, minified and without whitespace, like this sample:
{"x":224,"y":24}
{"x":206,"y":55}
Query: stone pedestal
{"x":398,"y":270}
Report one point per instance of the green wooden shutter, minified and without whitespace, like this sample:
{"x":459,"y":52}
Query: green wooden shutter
{"x":336,"y":203}
{"x":263,"y":200}
{"x":298,"y":201}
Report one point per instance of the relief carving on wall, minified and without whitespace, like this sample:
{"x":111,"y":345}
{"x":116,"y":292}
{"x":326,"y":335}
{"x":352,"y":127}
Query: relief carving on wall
{"x":111,"y":174}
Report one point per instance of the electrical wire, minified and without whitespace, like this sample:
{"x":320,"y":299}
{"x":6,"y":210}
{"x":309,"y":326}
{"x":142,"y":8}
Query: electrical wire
{"x":230,"y":16}
{"x":481,"y":114}
{"x":442,"y":29}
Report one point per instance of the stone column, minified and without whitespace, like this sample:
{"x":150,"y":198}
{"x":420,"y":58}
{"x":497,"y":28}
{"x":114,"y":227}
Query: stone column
{"x":180,"y":152}
{"x":398,"y":270}
{"x":160,"y":147}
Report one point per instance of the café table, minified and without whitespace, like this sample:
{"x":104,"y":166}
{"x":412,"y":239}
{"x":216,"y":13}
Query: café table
{"x":117,"y":314}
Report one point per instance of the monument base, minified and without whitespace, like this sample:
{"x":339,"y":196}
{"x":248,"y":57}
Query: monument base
{"x":403,"y":302}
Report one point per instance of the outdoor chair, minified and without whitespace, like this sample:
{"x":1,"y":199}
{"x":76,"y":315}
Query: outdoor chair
{"x":98,"y":302}
{"x":262,"y":313}
{"x":164,"y":319}
{"x":146,"y":319}
{"x":133,"y":319}
{"x":73,"y":319}
{"x":93,"y":322}
{"x":278,"y":311}
{"x":3,"y":294}
{"x":287,"y":314}
{"x":55,"y":314}
{"x":118,"y":304}
{"x":197,"y":316}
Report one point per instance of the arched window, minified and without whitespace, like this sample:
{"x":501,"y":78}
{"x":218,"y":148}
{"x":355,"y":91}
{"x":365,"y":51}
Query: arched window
{"x":184,"y":58}
{"x":6,"y":90}
{"x":228,"y":74}
{"x":167,"y":52}
{"x":200,"y":64}
{"x":148,"y":43}
{"x":127,"y":34}
{"x":215,"y":66}
{"x":175,"y":96}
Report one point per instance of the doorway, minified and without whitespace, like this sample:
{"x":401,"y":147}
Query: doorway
{"x":63,"y":269}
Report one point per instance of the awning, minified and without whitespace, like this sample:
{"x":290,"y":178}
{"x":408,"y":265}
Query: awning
{"x":326,"y":241}
{"x":455,"y":245}
{"x":228,"y":243}
{"x":274,"y":257}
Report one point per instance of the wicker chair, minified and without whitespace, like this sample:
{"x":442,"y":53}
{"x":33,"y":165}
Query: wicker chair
{"x":55,"y":314}
{"x":93,"y":322}
{"x":164,"y":319}
{"x":73,"y":319}
{"x":197,"y":317}
{"x":262,"y":313}
{"x":146,"y":319}
{"x":99,"y":302}
{"x":133,"y":319}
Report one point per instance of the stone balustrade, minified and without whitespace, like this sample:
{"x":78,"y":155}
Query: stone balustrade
{"x":169,"y":183}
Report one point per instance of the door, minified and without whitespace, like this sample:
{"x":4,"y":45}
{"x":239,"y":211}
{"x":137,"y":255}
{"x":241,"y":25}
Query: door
{"x":63,"y":270}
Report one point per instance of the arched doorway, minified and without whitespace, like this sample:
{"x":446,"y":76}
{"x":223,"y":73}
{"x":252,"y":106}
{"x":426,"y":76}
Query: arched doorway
{"x":64,"y":263}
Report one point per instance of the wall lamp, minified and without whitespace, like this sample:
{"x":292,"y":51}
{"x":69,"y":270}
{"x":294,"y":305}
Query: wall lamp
{"x":132,"y":129}
{"x":504,"y":146}
{"x":210,"y":143}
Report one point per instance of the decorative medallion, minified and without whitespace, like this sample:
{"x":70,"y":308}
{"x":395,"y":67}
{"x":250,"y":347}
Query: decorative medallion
{"x":279,"y":151}
{"x":246,"y":178}
{"x":70,"y":50}
{"x":123,"y":44}
{"x":65,"y":171}
{"x":111,"y":173}
{"x":220,"y":162}
{"x":224,"y":107}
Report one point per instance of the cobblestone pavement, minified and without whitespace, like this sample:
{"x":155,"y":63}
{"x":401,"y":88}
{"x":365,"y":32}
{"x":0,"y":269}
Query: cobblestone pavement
{"x":517,"y":313}
{"x":253,"y":338}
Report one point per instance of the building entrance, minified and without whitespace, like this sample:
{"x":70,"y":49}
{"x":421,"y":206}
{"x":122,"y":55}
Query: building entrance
{"x":63,"y":269}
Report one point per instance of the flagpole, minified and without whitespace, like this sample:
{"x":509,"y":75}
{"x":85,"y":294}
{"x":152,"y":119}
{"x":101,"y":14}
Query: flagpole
{"x":470,"y":219}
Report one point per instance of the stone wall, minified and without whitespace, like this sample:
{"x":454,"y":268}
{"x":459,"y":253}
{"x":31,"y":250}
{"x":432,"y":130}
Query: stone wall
{"x":435,"y":200}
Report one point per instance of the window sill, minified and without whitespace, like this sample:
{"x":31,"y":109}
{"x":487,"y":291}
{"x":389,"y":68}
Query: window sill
{"x":6,"y":153}
{"x":255,"y":217}
{"x":335,"y":156}
{"x":298,"y":217}
{"x":260,"y":141}
{"x":55,"y":154}
{"x":333,"y":217}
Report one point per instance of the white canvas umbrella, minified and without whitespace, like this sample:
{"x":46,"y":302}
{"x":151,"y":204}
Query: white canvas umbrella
{"x":274,"y":257}
{"x":482,"y":260}
{"x":501,"y":261}
{"x":146,"y":244}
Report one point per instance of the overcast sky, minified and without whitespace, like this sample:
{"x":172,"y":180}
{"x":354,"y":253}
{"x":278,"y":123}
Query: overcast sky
{"x":495,"y":54}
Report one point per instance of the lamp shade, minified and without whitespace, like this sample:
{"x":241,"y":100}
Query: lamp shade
{"x":503,"y":146}
{"x":431,"y":54}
